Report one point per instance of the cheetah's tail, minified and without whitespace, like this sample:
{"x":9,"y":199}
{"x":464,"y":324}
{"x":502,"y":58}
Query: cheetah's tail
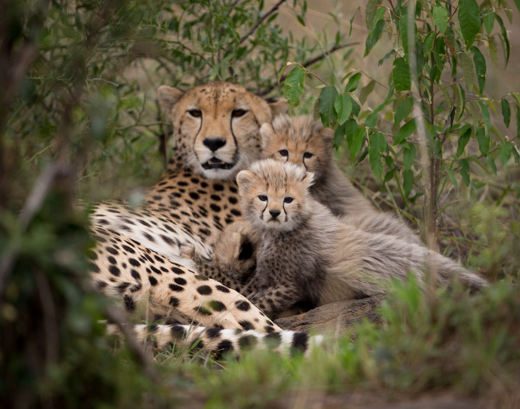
{"x":218,"y":341}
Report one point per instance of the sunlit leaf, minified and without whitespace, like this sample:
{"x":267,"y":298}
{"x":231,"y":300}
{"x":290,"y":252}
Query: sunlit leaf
{"x":293,"y":85}
{"x":489,"y":21}
{"x":343,"y":106}
{"x":353,"y":82}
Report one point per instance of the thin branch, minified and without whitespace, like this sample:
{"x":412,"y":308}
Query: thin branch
{"x":306,"y":64}
{"x":134,"y":345}
{"x":253,"y":29}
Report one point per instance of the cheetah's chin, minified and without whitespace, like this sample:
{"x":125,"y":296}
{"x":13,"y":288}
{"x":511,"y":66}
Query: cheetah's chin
{"x":215,"y":163}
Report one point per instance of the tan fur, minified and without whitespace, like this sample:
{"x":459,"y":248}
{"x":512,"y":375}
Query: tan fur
{"x":217,"y":111}
{"x":309,"y":145}
{"x":309,"y":255}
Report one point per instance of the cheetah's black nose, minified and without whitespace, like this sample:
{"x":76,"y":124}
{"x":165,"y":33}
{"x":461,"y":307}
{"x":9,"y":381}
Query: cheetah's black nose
{"x":214,"y":143}
{"x":274,"y":213}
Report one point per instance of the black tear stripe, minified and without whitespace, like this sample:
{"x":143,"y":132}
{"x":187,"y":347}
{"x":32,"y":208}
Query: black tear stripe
{"x":237,"y":151}
{"x":196,"y":135}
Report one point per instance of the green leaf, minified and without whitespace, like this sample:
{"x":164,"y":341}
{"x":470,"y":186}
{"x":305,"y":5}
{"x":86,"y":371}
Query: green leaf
{"x":492,"y":49}
{"x":517,"y":2}
{"x":376,"y":148}
{"x":380,"y":12}
{"x":464,"y":135}
{"x":480,"y":68}
{"x":403,"y":110}
{"x":371,"y":9}
{"x":343,"y":106}
{"x":293,"y":85}
{"x":352,"y":21}
{"x":353,"y":82}
{"x":403,"y":25}
{"x":428,"y":42}
{"x":409,"y":156}
{"x":489,"y":21}
{"x":504,"y":152}
{"x":483,"y":140}
{"x":327,"y":99}
{"x":469,"y":20}
{"x":373,"y":37}
{"x":407,"y":182}
{"x":355,"y":136}
{"x":506,"y":111}
{"x":366,"y":91}
{"x":464,"y":170}
{"x":401,"y":75}
{"x":386,"y":57}
{"x":505,"y":36}
{"x":440,"y":18}
{"x":339,"y":135}
{"x":517,"y":109}
{"x":492,"y":165}
{"x":467,"y":69}
{"x":452,"y":177}
{"x":463,"y":95}
{"x":485,"y":114}
{"x":214,"y":71}
{"x":405,"y":131}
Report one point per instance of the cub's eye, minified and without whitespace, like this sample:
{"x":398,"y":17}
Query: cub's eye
{"x":288,"y":200}
{"x":307,"y":155}
{"x":263,"y":198}
{"x":196,"y":113}
{"x":237,"y":113}
{"x":284,"y":152}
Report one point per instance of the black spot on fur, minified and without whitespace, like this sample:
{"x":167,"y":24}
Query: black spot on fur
{"x":247,"y":341}
{"x":218,"y":187}
{"x":236,"y":212}
{"x":92,"y":255}
{"x":153,"y":328}
{"x":273,"y":340}
{"x":178,"y":332}
{"x":112,"y":251}
{"x":177,"y":271}
{"x":92,"y":267}
{"x":268,"y":329}
{"x":129,"y":303}
{"x":180,"y":280}
{"x":152,"y":280}
{"x":194,"y":196}
{"x":201,"y":277}
{"x":114,"y":271}
{"x":217,"y":306}
{"x":100,"y":285}
{"x":232,"y":200}
{"x":213,"y":332}
{"x":246,"y":325}
{"x":243,"y":305}
{"x":111,"y":260}
{"x":167,"y":240}
{"x":225,"y":346}
{"x":129,"y":249}
{"x":204,"y":290}
{"x":122,"y":287}
{"x":203,"y":310}
{"x":176,"y":288}
{"x":134,"y":262}
{"x":148,"y":237}
{"x":174,"y":302}
{"x":222,"y":288}
{"x":299,"y":343}
{"x":215,"y":208}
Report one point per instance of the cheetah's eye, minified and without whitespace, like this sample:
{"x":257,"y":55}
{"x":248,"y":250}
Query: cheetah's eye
{"x":237,"y":113}
{"x":284,"y":152}
{"x":196,"y":113}
{"x":288,"y":200}
{"x":307,"y":155}
{"x":263,"y":198}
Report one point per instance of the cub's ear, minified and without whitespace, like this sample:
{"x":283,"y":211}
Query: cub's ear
{"x":308,"y":179}
{"x":244,"y":179}
{"x":278,"y":106}
{"x":268,"y":134}
{"x":327,"y":135}
{"x":168,"y":97}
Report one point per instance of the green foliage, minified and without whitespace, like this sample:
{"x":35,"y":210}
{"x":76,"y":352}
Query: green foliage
{"x":437,"y":57}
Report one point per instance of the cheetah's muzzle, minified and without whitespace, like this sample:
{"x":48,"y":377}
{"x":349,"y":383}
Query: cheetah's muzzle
{"x":215,"y":163}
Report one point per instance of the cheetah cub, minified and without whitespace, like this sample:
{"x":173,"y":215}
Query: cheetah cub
{"x":303,"y":141}
{"x":306,"y":254}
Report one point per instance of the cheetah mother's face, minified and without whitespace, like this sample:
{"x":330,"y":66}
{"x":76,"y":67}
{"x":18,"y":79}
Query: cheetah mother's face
{"x":274,"y":195}
{"x":216,"y":126}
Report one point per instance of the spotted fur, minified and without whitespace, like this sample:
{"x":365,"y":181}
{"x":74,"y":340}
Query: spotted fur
{"x":307,"y":254}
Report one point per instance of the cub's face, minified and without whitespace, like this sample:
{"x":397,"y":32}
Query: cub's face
{"x":275,"y":196}
{"x":216,"y":126}
{"x":299,"y":140}
{"x":235,"y":251}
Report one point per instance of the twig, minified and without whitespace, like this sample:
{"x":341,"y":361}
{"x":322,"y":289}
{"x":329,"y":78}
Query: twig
{"x":31,"y":206}
{"x":134,"y":345}
{"x":306,"y":64}
{"x":253,"y":29}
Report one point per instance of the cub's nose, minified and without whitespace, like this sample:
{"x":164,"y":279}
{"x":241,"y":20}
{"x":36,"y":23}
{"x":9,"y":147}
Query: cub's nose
{"x":274,"y":213}
{"x":214,"y":143}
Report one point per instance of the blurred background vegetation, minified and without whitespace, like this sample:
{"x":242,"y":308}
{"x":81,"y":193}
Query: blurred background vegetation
{"x":79,"y":119}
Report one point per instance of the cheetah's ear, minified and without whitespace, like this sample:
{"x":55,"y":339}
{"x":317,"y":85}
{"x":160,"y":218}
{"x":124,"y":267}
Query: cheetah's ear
{"x":278,"y":106}
{"x":168,"y":97}
{"x":244,"y":179}
{"x":308,"y":179}
{"x":327,"y":134}
{"x":268,"y":134}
